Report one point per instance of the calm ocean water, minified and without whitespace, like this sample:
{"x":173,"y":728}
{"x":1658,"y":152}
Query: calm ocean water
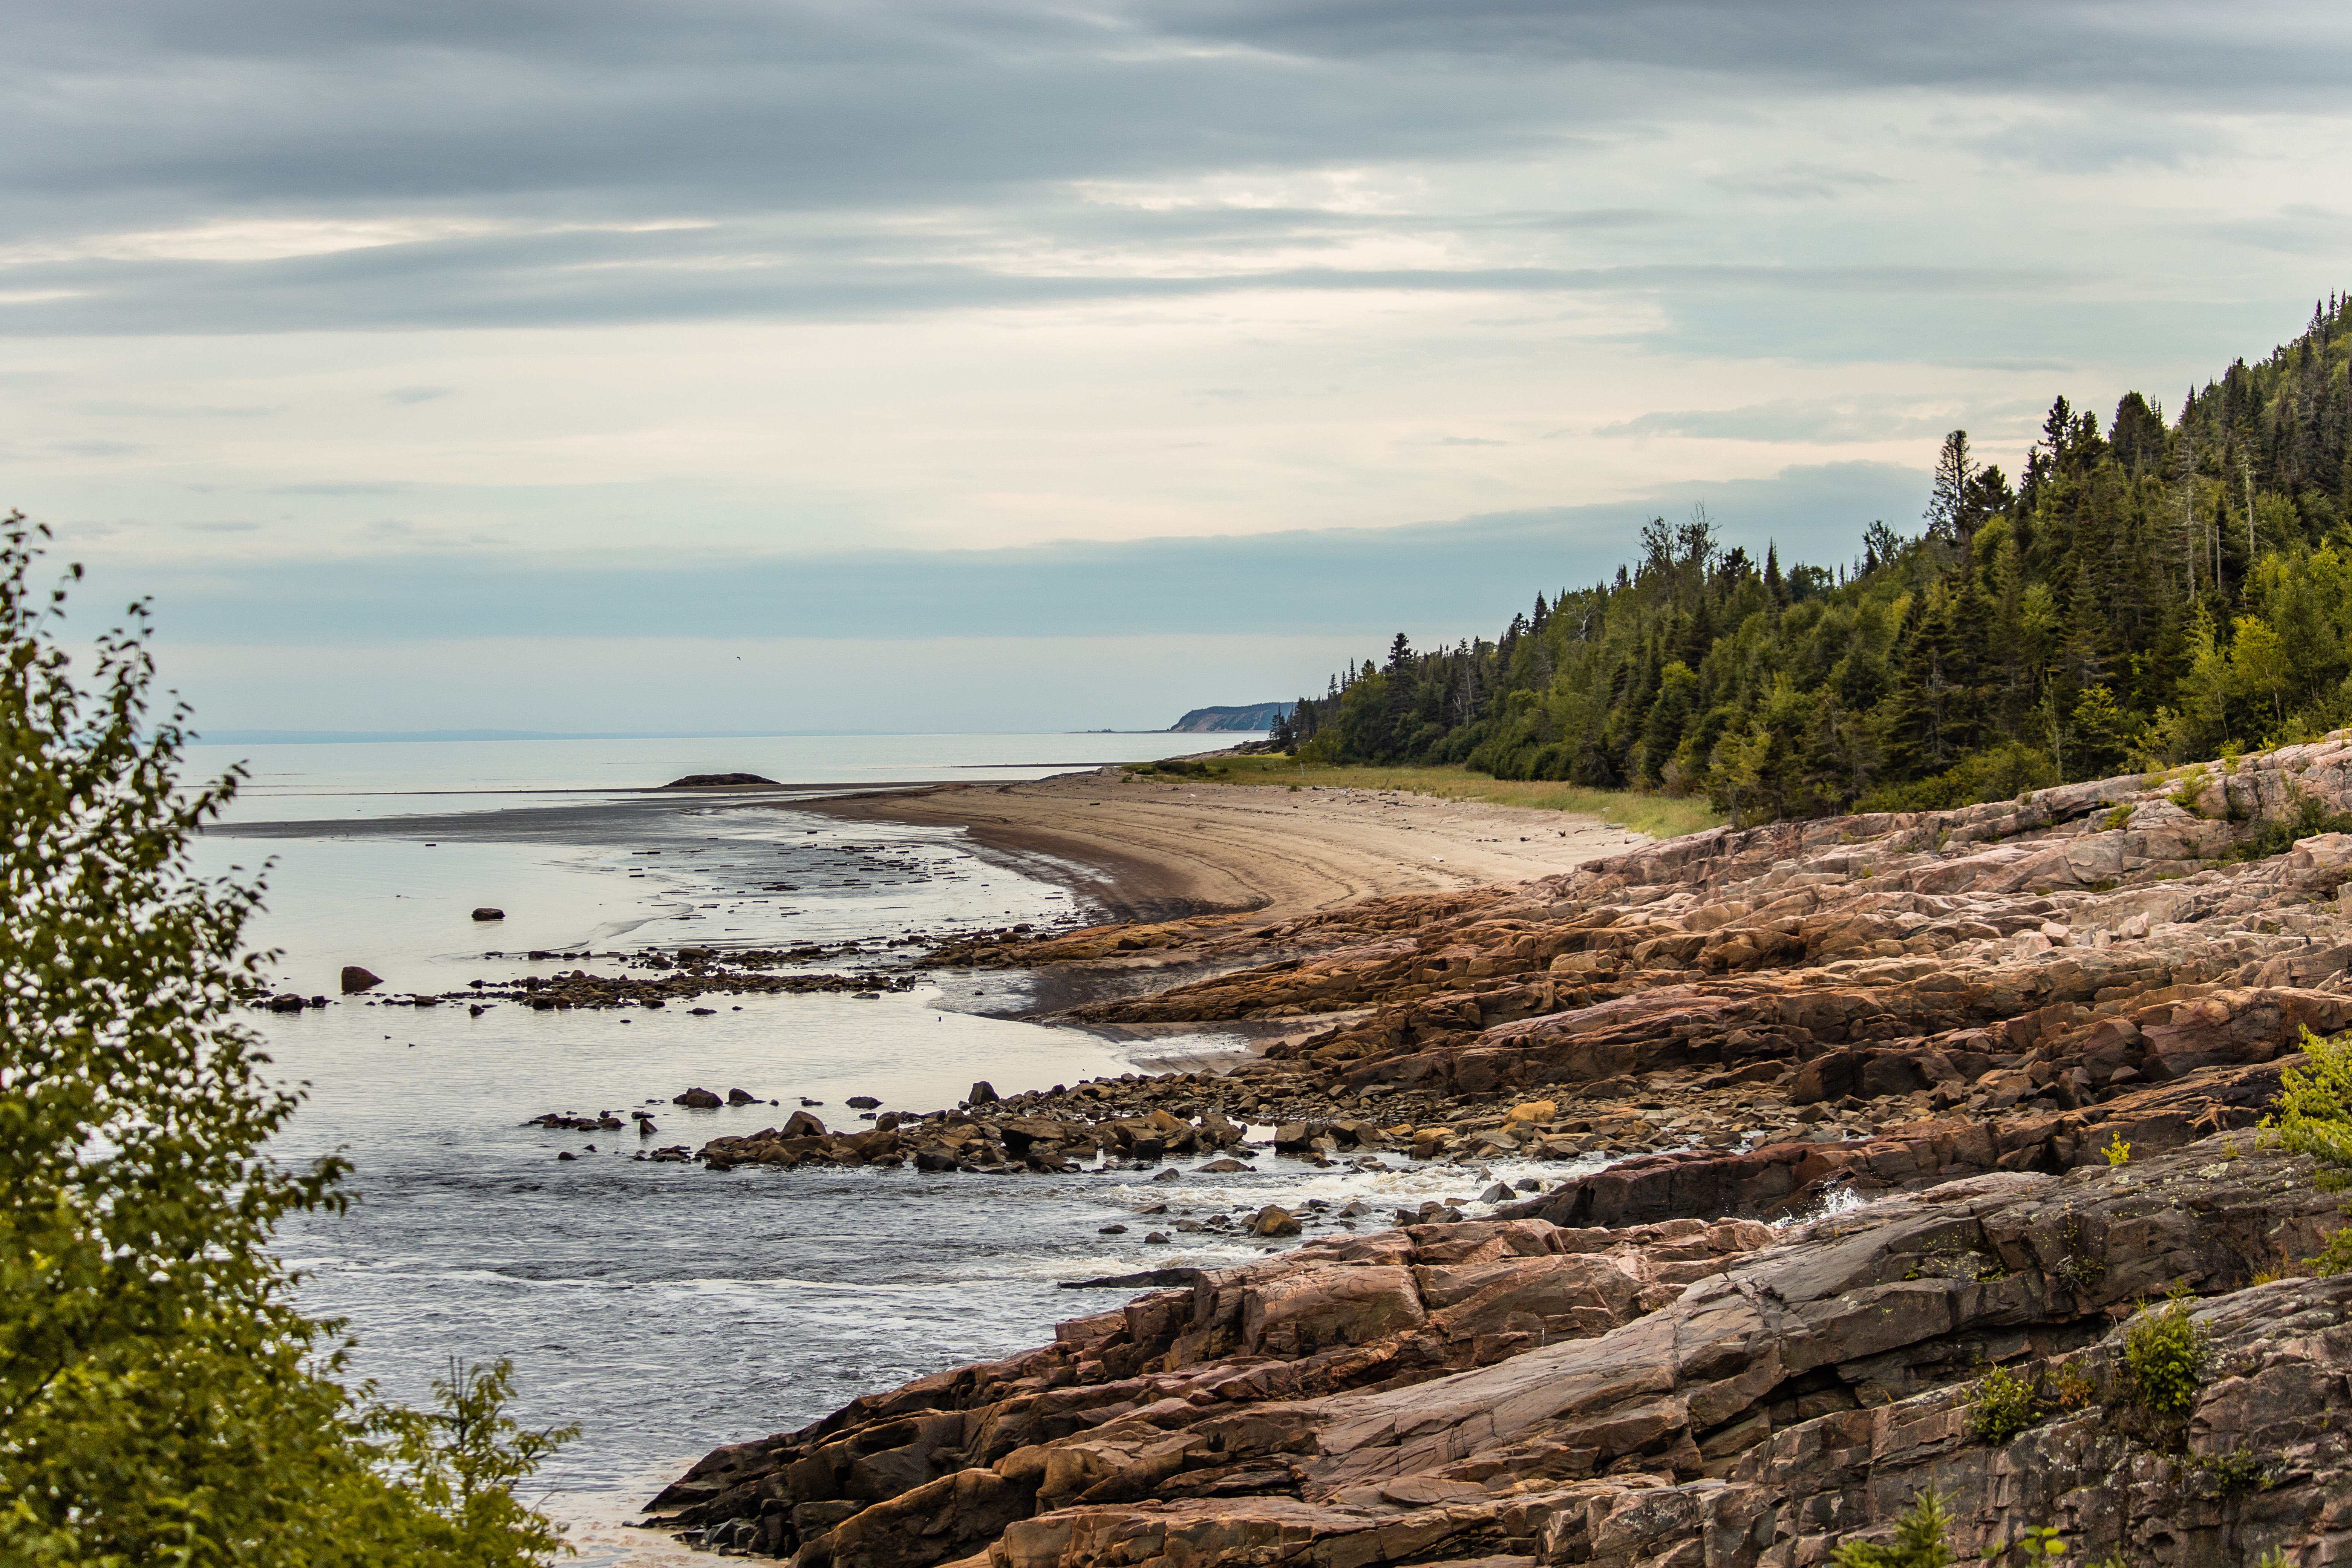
{"x":663,"y":1308}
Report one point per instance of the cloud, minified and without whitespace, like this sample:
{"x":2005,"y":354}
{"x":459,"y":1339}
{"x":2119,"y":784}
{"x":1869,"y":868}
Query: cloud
{"x":1438,"y":578}
{"x":1799,"y":182}
{"x":679,"y":277}
{"x":131,"y":408}
{"x":2149,"y":50}
{"x":269,"y":171}
{"x":759,"y":683}
{"x":1820,"y":421}
{"x":651,"y":245}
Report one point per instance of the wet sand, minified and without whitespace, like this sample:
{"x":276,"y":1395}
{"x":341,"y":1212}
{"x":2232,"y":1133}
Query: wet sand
{"x":1147,"y":850}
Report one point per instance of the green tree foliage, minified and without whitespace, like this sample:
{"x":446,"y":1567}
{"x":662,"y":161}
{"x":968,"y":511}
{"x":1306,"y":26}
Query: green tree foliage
{"x":2146,"y":596}
{"x":2313,"y":1113}
{"x":1918,"y":1540}
{"x":2164,"y":1358}
{"x":162,"y":1397}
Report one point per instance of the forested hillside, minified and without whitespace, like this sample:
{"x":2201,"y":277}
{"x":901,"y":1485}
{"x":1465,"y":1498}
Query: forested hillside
{"x":2144,"y":595}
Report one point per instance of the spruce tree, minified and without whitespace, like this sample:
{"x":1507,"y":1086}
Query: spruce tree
{"x":1948,"y":513}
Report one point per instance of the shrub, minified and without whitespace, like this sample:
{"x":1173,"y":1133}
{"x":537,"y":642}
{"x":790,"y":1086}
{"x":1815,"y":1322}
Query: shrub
{"x":2002,"y":1407}
{"x":2336,"y":1256}
{"x":2279,"y":834}
{"x":2313,"y":1113}
{"x":1174,"y":768}
{"x":1918,"y":1538}
{"x":2007,"y":772}
{"x":162,"y":1399}
{"x":2237,"y":1471}
{"x":2005,"y":1403}
{"x":2117,"y":1151}
{"x":2038,"y":1544}
{"x":2166,"y":1352}
{"x":2070,"y":1390}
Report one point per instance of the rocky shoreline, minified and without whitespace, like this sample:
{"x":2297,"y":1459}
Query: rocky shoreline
{"x":2037,"y":1034}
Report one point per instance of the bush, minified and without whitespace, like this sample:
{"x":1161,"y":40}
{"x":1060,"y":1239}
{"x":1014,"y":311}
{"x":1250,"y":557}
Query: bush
{"x":2336,"y":1256}
{"x":1175,"y":768}
{"x":2005,"y":1403}
{"x":2166,"y":1352}
{"x":2070,"y":1390}
{"x":2313,"y":1112}
{"x":161,"y":1398}
{"x":2002,"y":1407}
{"x":2236,"y":1472}
{"x":2002,"y":773}
{"x":2279,"y":835}
{"x":1918,"y":1540}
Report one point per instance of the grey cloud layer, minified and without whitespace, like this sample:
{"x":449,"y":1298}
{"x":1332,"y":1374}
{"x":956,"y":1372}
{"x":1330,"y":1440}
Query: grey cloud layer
{"x":542,"y":281}
{"x":1435,"y":579}
{"x":861,"y":160}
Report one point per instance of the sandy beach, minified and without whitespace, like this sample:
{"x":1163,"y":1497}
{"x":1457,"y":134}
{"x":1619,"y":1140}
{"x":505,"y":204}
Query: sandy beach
{"x":1148,"y":849}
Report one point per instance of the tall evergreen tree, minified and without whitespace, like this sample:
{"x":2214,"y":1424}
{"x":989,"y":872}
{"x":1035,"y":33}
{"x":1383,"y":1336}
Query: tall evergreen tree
{"x":2148,"y":592}
{"x":1950,"y":508}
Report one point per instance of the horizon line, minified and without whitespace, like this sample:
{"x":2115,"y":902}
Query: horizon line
{"x":369,"y":737}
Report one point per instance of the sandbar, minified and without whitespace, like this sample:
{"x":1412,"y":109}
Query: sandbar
{"x":1149,"y":849}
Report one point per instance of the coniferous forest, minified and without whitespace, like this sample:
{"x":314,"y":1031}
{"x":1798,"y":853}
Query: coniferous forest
{"x":2146,"y":594}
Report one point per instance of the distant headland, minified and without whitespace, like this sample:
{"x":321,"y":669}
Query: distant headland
{"x":1210,"y":720}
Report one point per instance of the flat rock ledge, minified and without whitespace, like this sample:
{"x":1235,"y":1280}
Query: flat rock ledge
{"x":1668,"y":1395}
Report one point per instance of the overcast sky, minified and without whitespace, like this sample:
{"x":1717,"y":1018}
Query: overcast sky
{"x":998,"y":365}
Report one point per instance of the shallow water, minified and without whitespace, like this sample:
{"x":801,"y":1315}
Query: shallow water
{"x":353,"y":779}
{"x":665,"y":1308}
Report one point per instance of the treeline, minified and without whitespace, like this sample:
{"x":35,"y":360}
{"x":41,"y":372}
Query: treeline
{"x":2147,"y":594}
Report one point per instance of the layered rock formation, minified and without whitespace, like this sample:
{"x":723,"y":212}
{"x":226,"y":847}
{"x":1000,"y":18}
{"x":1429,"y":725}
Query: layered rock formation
{"x":2035,"y":1036}
{"x":1668,"y":1395}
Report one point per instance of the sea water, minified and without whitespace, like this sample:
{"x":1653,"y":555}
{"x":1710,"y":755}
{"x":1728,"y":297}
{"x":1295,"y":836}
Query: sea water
{"x":663,"y":1308}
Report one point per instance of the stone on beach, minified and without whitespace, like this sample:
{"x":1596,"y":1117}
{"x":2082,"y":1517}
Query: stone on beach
{"x":355,"y":979}
{"x":1273,"y":1220}
{"x":697,"y":1099}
